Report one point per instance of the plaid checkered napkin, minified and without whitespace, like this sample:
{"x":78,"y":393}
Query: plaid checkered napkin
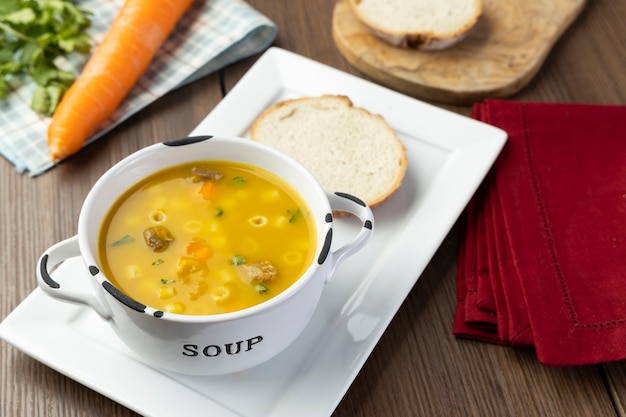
{"x":210,"y":36}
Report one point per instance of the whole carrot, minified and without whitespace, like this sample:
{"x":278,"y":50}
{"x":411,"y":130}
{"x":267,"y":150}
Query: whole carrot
{"x":138,"y":31}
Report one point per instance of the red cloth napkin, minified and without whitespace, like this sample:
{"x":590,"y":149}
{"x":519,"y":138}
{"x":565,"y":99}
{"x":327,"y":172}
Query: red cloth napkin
{"x":542,"y":257}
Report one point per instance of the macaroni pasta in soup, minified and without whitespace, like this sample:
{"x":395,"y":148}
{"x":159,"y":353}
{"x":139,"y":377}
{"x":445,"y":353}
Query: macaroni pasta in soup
{"x":208,"y":237}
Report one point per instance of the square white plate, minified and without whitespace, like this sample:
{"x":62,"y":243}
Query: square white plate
{"x":448,"y":154}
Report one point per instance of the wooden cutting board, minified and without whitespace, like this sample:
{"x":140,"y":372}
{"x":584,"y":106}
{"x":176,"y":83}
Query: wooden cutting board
{"x":500,"y":55}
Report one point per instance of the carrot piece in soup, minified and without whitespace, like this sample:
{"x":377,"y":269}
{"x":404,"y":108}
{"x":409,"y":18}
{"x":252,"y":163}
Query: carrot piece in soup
{"x":208,"y":190}
{"x":138,"y":31}
{"x":199,"y":249}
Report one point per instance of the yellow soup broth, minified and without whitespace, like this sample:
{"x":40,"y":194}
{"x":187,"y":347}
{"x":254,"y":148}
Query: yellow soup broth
{"x":207,"y":238}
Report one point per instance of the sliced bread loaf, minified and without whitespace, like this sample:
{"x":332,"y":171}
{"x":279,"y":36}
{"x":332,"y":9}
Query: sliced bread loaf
{"x":347,"y":148}
{"x":419,"y":24}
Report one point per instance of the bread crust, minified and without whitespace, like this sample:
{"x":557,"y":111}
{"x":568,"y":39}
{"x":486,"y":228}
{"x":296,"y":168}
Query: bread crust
{"x":398,"y":147}
{"x":420,"y":39}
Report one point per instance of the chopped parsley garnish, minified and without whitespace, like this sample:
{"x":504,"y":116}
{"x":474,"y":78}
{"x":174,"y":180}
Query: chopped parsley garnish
{"x":261,"y":289}
{"x":219,"y":212}
{"x":294,"y":215}
{"x":238,"y":260}
{"x":237,"y":182}
{"x":126,"y":239}
{"x":167,"y":281}
{"x":158,"y":262}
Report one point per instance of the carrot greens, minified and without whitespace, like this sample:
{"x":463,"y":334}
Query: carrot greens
{"x":34,"y":36}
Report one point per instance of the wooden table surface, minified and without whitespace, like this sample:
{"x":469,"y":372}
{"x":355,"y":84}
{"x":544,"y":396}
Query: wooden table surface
{"x":418,"y":368}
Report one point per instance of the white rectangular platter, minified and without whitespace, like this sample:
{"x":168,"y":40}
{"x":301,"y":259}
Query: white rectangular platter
{"x":448,"y":155}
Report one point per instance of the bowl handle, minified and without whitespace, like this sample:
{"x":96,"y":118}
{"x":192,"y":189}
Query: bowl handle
{"x":353,"y":205}
{"x":54,"y":256}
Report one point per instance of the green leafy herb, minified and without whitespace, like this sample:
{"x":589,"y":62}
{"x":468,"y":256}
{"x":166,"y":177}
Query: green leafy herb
{"x":294,"y":215}
{"x":126,"y":239}
{"x":158,"y":262}
{"x":219,"y":212}
{"x":237,"y":182}
{"x":34,"y":36}
{"x":167,"y":281}
{"x":261,"y":289}
{"x":238,"y":260}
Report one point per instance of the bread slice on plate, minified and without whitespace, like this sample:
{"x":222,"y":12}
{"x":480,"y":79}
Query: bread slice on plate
{"x":418,"y":24}
{"x":347,"y":148}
